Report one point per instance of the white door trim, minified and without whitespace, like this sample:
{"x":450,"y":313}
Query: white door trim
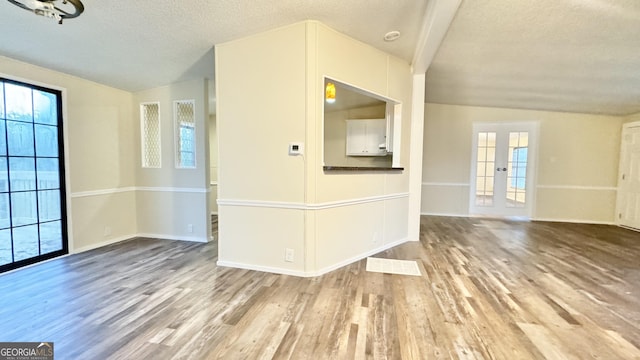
{"x":619,"y":197}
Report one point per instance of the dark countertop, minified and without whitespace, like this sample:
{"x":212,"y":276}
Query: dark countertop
{"x":361,"y":168}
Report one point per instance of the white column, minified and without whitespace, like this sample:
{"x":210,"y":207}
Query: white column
{"x":415,"y":158}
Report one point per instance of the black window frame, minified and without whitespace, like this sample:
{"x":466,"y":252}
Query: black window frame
{"x":61,"y":174}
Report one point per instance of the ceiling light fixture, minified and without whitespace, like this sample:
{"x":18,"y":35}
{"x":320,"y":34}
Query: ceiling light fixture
{"x":55,"y":9}
{"x":392,"y":35}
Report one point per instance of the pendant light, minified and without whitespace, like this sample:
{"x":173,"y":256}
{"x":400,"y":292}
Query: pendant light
{"x":330,"y":93}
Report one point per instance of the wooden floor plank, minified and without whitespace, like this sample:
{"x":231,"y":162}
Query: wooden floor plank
{"x":489,"y":289}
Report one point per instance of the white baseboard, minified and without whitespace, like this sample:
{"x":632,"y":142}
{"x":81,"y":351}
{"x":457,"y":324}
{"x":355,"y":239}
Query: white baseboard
{"x":299,"y":273}
{"x":444,"y":214}
{"x":174,"y":237}
{"x":101,"y":244}
{"x":35,"y":264}
{"x":132,"y":236}
{"x":572,"y":221}
{"x":629,"y":228}
{"x":575,"y":221}
{"x":111,"y":241}
{"x":358,"y":257}
{"x":273,"y":270}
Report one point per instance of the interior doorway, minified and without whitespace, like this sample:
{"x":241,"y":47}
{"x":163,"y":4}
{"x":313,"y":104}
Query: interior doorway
{"x":213,"y":175}
{"x":503,"y":169}
{"x":629,"y":181}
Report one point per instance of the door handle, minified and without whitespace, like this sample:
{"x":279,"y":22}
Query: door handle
{"x":501,"y":169}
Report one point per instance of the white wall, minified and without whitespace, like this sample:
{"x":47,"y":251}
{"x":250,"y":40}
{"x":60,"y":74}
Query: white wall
{"x":365,"y":212}
{"x":173,"y":203}
{"x":577,"y":161}
{"x":260,"y":91}
{"x":270,"y":93}
{"x":99,"y":147}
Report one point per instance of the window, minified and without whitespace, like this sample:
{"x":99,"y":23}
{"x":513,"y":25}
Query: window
{"x":32,"y":198}
{"x":187,"y":154}
{"x":485,"y":168}
{"x":517,"y":168}
{"x":519,"y":156}
{"x":150,"y":126}
{"x":184,"y":115}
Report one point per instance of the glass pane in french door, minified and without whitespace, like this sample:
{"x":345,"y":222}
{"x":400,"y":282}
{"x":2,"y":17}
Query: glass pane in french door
{"x":517,"y":169}
{"x":32,"y":208}
{"x":485,"y":168}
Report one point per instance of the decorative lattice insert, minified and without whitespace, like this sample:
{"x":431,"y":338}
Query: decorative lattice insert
{"x":150,"y":117}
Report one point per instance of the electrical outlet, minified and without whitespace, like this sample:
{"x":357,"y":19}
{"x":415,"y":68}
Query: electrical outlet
{"x":375,"y":238}
{"x":190,"y":228}
{"x":107,"y":231}
{"x":288,"y":255}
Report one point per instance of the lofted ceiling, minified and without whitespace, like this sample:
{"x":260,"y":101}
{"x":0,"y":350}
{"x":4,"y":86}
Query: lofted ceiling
{"x":136,"y":45}
{"x":560,"y":55}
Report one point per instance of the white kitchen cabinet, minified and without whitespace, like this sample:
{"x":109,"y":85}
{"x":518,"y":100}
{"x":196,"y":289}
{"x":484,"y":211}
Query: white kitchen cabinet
{"x":366,"y":137}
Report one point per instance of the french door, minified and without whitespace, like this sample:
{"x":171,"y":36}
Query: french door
{"x":32,"y":199}
{"x":502,"y":169}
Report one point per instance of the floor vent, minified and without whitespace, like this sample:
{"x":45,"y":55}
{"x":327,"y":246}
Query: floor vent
{"x":392,"y":266}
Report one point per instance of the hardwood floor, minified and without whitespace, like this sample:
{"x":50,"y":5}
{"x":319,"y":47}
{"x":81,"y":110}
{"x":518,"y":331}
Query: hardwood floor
{"x":489,"y":289}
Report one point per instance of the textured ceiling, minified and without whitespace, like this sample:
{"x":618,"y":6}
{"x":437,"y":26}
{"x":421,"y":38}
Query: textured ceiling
{"x":568,"y":55}
{"x":562,"y":55}
{"x":135,"y":45}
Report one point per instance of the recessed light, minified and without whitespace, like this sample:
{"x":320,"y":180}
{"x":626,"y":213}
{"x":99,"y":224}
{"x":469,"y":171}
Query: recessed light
{"x":392,"y":35}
